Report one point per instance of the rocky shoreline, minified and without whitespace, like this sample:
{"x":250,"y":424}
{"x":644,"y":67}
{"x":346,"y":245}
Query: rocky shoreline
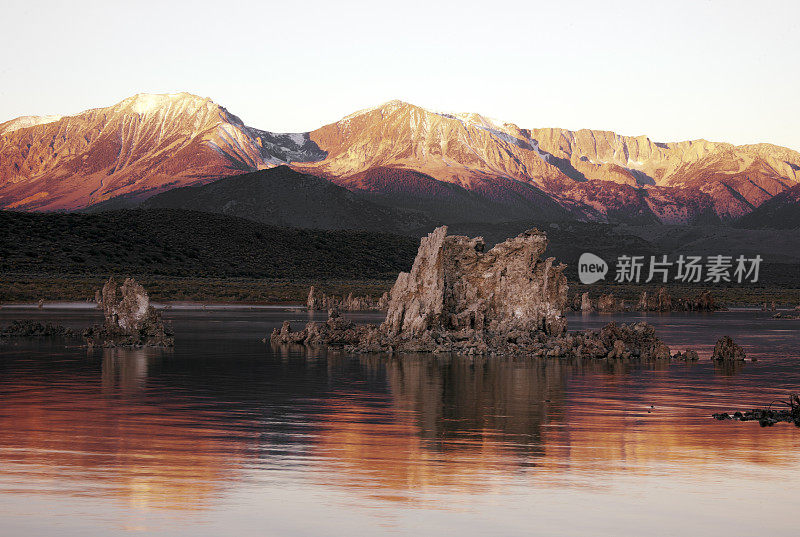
{"x":794,"y":314}
{"x":660,"y":301}
{"x":460,"y":299}
{"x":318,"y":301}
{"x":767,"y":417}
{"x":34,"y":329}
{"x":623,"y":341}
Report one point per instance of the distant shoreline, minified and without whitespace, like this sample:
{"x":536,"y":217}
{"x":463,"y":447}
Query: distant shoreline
{"x":199,"y":306}
{"x":16,"y":289}
{"x":164,"y":306}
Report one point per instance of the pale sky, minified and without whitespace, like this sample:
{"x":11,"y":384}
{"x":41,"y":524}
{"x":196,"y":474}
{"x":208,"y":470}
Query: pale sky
{"x":720,"y":70}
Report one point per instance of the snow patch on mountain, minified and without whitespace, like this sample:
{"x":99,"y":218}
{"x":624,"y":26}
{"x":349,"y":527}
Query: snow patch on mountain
{"x":26,"y":121}
{"x":150,"y":103}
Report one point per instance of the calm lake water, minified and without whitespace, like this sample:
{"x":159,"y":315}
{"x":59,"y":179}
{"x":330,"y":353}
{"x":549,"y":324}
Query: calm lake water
{"x":225,"y":436}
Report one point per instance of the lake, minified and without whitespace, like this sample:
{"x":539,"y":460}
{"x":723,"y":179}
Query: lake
{"x":225,"y":435}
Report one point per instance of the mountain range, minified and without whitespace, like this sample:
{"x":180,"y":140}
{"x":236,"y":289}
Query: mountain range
{"x":396,"y":166}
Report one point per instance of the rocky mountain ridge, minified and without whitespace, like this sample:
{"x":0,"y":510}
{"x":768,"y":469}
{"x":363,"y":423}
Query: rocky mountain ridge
{"x":595,"y":175}
{"x":141,"y":146}
{"x":451,"y":166}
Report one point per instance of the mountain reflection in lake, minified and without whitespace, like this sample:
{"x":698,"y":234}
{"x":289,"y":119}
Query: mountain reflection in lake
{"x":226,"y":435}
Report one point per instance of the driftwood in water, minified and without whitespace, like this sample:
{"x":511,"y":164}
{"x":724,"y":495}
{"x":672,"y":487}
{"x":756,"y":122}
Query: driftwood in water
{"x":769,"y":416}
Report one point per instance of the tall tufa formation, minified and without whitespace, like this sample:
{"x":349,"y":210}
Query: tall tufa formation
{"x":125,"y":306}
{"x":454,"y":285}
{"x":459,"y":298}
{"x":129,"y":319}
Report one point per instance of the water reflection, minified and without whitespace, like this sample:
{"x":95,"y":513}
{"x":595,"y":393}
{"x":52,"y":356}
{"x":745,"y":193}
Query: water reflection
{"x":446,"y":423}
{"x":69,"y":434}
{"x":460,"y":424}
{"x":228,"y":417}
{"x":125,"y":369}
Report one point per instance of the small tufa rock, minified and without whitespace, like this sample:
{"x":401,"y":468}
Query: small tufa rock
{"x":767,"y":417}
{"x":126,"y":306}
{"x":609,"y":304}
{"x":35,"y":329}
{"x":336,"y":331}
{"x":793,"y":314}
{"x":312,"y":302}
{"x":703,"y":302}
{"x":726,"y":350}
{"x":586,"y":303}
{"x":321,"y":302}
{"x":661,"y":301}
{"x":664,"y":302}
{"x":130,"y":320}
{"x":688,"y":356}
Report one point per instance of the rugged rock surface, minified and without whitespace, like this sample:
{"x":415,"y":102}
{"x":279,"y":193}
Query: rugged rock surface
{"x":455,"y":285}
{"x":635,"y":341}
{"x":34,"y":329}
{"x":660,"y":301}
{"x":458,"y":298}
{"x":322,"y":302}
{"x":136,"y":148}
{"x":609,"y":304}
{"x":601,"y":175}
{"x":663,"y":302}
{"x":726,"y":350}
{"x":130,"y":320}
{"x":586,"y":303}
{"x":399,"y":153}
{"x":688,"y":356}
{"x":703,"y":302}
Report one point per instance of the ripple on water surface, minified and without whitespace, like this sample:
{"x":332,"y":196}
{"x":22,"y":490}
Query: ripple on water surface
{"x":223,"y":435}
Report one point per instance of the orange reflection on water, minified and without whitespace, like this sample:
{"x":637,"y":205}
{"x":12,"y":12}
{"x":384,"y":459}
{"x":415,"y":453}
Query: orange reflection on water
{"x":467,"y":427}
{"x":381,"y":453}
{"x":647,"y":427}
{"x":434,"y":426}
{"x":82,"y":438}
